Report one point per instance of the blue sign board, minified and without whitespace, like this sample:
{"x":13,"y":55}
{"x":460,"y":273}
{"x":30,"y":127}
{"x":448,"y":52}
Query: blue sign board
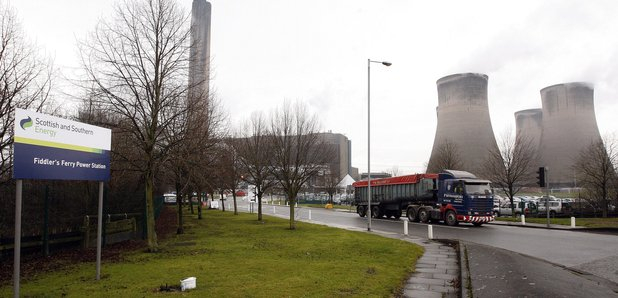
{"x":47,"y":147}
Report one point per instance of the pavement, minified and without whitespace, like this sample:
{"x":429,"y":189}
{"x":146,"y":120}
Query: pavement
{"x":437,"y":272}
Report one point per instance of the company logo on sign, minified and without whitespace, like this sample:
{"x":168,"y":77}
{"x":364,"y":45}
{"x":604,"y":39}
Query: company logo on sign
{"x":25,"y":123}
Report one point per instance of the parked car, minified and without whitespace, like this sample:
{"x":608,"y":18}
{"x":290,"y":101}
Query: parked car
{"x":521,"y":206}
{"x":556,"y":206}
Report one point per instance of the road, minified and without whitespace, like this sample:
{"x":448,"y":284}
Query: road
{"x":580,"y":251}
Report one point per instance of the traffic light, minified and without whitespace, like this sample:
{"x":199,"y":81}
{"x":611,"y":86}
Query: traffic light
{"x":541,"y":176}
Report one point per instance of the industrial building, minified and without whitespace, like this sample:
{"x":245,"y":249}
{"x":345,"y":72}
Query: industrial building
{"x":199,"y":53}
{"x":463,"y":120}
{"x":564,"y":126}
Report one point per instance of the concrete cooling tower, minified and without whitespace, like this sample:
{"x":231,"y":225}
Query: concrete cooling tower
{"x":463,"y":121}
{"x":529,"y":126}
{"x":569,"y":125}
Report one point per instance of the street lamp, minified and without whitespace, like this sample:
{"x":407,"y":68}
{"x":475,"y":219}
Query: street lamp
{"x":369,"y":61}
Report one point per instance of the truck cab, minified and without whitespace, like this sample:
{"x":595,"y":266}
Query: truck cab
{"x":462,"y":197}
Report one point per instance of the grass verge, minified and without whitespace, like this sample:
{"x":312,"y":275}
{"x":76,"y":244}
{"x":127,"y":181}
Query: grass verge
{"x":237,"y":256}
{"x":580,"y":222}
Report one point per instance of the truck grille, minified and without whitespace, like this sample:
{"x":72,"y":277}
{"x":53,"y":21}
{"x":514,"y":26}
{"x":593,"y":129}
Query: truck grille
{"x":480,"y":205}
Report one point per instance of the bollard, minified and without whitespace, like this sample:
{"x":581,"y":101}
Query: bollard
{"x":430,"y":231}
{"x":274,"y":210}
{"x":309,"y":214}
{"x":405,"y":226}
{"x":523,"y":220}
{"x":572,"y":222}
{"x":296,"y":205}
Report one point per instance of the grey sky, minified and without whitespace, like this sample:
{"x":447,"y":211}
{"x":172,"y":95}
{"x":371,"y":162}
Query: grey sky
{"x":316,"y":51}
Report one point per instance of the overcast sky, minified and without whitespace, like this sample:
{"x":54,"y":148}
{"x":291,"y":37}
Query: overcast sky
{"x":316,"y":51}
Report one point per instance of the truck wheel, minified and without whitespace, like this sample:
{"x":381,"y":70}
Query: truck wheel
{"x":552,"y":213}
{"x":361,"y":211}
{"x":451,"y":218}
{"x":423,"y":215}
{"x":411,"y":215}
{"x":375,"y":212}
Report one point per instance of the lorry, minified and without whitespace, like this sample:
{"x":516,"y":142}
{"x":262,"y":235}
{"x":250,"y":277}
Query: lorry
{"x":451,"y":197}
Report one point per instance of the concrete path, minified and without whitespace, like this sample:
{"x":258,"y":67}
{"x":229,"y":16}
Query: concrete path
{"x":437,"y":272}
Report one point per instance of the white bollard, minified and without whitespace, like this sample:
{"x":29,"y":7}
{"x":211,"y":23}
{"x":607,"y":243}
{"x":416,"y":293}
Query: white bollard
{"x":430,"y":231}
{"x":523,"y":219}
{"x":296,"y":205}
{"x":405,"y":226}
{"x":309,"y":214}
{"x":274,"y":210}
{"x":572,"y":222}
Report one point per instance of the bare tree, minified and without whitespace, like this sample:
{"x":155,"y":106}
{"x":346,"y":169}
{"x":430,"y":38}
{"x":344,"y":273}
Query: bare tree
{"x":448,"y":156}
{"x":231,"y":168}
{"x":25,"y":82}
{"x":138,"y":65}
{"x":394,"y":171}
{"x":510,"y":166}
{"x":331,"y":182}
{"x":596,"y":170}
{"x":254,"y":148}
{"x":298,"y":150}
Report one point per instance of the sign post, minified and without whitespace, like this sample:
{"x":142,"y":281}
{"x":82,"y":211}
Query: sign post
{"x":52,"y":148}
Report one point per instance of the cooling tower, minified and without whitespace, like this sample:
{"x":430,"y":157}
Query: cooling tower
{"x":569,"y":125}
{"x":199,"y":54}
{"x":463,"y":121}
{"x":529,"y":126}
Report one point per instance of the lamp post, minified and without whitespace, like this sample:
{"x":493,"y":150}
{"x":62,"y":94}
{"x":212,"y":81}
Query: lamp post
{"x":369,"y":61}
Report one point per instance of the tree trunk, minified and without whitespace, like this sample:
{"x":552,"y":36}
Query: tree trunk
{"x":292,"y":222}
{"x":259,"y":198}
{"x":180,"y":229}
{"x":199,"y":205}
{"x":222,"y":202}
{"x":235,"y":206}
{"x":153,"y":246}
{"x":190,"y":196}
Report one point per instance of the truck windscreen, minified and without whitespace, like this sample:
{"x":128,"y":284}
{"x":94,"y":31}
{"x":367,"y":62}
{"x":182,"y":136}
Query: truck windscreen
{"x":478,"y":189}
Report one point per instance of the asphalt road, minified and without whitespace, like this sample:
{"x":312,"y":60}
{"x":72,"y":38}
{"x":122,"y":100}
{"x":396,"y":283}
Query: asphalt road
{"x":592,"y":253}
{"x":501,"y":273}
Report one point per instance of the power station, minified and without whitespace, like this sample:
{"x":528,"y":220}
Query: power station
{"x":529,"y":126}
{"x":463,"y":121}
{"x":565,"y":126}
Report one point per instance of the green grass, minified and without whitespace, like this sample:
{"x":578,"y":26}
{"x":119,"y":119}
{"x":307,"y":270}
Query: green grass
{"x":237,"y":256}
{"x":580,"y":222}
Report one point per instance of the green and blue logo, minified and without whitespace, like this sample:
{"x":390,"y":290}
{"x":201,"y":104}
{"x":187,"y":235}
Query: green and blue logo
{"x":25,"y":123}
